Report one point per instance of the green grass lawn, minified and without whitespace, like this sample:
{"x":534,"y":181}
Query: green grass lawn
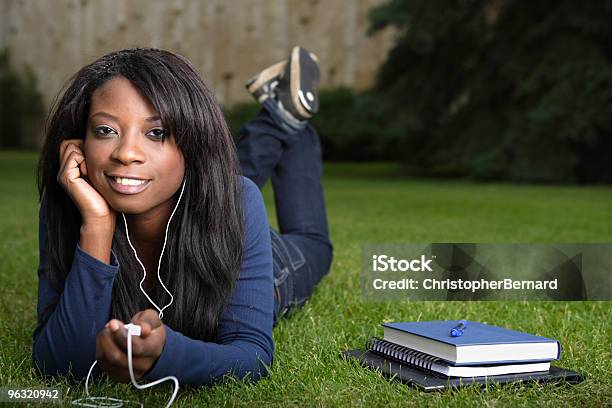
{"x":367,"y":203}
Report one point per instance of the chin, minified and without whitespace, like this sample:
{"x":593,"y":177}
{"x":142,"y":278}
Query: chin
{"x":121,"y":206}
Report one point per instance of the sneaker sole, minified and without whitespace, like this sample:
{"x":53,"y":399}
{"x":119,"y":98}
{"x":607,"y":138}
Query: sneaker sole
{"x":303,"y":66}
{"x":265,"y":76}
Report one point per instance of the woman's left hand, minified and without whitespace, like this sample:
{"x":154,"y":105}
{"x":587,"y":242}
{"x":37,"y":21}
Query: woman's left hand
{"x":111,"y":346}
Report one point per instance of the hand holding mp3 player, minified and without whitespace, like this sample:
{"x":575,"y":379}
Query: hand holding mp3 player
{"x":148,"y":340}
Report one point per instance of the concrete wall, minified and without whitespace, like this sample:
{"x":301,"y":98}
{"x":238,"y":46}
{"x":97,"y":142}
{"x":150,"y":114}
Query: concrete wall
{"x":228,"y":40}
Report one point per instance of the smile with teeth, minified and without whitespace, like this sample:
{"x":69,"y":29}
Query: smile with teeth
{"x":129,"y":182}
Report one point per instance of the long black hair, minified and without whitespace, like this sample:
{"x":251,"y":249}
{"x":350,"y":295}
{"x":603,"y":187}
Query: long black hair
{"x":205,"y":243}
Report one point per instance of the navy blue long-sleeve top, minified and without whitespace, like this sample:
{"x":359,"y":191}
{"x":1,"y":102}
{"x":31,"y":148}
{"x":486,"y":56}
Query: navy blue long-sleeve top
{"x":65,"y":339}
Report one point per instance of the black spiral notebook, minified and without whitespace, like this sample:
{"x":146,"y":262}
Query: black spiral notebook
{"x":414,"y":368}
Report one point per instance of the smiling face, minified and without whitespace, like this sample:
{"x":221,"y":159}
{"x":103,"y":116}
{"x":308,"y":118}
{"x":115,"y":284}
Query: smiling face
{"x":124,"y":138}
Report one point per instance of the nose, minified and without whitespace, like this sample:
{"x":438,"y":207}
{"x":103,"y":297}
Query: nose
{"x":129,"y":148}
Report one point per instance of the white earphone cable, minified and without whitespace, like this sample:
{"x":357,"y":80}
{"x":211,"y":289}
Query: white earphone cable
{"x":108,"y":402}
{"x":160,"y":310}
{"x":151,"y":384}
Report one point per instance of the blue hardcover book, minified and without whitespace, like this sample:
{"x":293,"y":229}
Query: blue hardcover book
{"x":480,"y":344}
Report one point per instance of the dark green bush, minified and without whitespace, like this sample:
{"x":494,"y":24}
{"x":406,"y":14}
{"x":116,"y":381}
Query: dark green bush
{"x":499,"y":89}
{"x":21,"y":106}
{"x":345,"y":133}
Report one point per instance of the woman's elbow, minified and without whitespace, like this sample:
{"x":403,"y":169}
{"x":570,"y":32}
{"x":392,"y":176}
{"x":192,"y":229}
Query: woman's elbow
{"x":47,"y":365}
{"x":41,"y":365}
{"x":256,"y":365}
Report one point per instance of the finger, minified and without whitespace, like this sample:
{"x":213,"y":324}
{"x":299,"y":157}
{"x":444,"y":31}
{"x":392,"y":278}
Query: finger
{"x":140,"y":347}
{"x":63,"y":154}
{"x":147,"y":347}
{"x":63,"y":146}
{"x":118,"y":333}
{"x":107,"y":351}
{"x":76,"y":141}
{"x":71,"y":170}
{"x":145,"y":327}
{"x":83,"y":167}
{"x":68,"y":159}
{"x":140,"y":367}
{"x":74,"y":160}
{"x":72,"y":144}
{"x":148,"y":317}
{"x":114,"y":362}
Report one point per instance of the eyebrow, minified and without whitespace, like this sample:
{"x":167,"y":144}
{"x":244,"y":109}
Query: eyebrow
{"x":108,"y":115}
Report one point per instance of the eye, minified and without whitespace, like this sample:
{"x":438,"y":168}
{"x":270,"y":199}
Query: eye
{"x":157,"y":133}
{"x":103,"y":130}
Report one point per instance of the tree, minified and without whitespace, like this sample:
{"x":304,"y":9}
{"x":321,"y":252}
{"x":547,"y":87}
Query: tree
{"x":21,"y":106}
{"x":498,"y":89}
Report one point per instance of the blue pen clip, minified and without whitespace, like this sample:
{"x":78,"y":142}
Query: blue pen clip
{"x":457,"y":331}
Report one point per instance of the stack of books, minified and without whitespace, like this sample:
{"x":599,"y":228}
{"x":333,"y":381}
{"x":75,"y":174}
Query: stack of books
{"x":428,"y":355}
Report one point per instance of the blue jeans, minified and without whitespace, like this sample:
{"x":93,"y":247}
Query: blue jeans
{"x":291,"y":158}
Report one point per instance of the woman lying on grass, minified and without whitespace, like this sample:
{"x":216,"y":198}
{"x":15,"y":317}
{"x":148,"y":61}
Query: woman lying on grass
{"x":146,"y":218}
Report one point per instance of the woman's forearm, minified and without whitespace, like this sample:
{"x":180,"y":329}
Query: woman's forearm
{"x":97,"y":239}
{"x":67,"y":340}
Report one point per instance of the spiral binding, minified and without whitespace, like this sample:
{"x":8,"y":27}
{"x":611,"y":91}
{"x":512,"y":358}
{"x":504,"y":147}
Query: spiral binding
{"x":403,"y":355}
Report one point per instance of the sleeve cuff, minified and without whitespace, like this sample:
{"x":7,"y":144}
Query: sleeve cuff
{"x":168,"y":357}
